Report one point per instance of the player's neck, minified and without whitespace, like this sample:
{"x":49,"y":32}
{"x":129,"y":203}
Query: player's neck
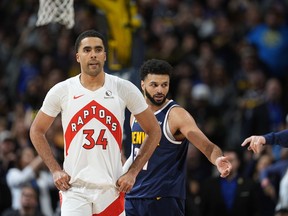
{"x":92,"y":83}
{"x":154,"y":107}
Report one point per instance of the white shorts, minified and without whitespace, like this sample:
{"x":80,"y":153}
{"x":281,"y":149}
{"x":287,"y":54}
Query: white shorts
{"x":91,"y":202}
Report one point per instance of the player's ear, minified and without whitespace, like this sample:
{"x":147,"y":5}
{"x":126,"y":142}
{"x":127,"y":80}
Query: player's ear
{"x":105,"y":56}
{"x":77,"y":57}
{"x":142,"y":85}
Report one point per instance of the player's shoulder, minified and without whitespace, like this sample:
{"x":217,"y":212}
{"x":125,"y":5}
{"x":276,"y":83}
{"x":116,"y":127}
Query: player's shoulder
{"x":63,"y":86}
{"x":118,"y":79}
{"x":122,"y":84}
{"x":177,"y":111}
{"x":71,"y":82}
{"x":174,"y":106}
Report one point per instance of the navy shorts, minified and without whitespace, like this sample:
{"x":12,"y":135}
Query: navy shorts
{"x":168,"y":206}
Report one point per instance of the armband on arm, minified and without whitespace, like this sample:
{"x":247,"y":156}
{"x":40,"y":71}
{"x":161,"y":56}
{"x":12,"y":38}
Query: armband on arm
{"x":127,"y":164}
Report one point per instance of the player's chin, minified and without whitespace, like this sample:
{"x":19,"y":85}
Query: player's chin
{"x":159,"y":100}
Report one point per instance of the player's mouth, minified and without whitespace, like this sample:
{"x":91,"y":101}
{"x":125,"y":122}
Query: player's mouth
{"x":93,"y":64}
{"x":159,"y":97}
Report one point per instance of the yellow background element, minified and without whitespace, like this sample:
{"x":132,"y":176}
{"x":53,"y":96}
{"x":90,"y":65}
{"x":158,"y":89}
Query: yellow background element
{"x":122,"y":20}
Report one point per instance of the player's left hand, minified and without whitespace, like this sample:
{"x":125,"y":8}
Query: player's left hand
{"x":223,"y":165}
{"x":125,"y":182}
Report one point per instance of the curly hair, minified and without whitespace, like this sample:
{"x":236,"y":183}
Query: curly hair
{"x":155,"y":66}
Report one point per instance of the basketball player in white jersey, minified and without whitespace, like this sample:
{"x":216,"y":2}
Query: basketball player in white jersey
{"x":92,"y":106}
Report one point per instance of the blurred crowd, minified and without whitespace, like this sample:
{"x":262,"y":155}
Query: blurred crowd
{"x":231,"y":73}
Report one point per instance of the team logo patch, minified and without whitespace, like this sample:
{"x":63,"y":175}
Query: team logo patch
{"x":108,"y":94}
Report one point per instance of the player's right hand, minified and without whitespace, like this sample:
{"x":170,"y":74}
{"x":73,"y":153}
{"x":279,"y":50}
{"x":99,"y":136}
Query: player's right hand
{"x":256,"y":143}
{"x":61,"y":180}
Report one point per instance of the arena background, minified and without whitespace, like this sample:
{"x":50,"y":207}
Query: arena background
{"x":230,"y":60}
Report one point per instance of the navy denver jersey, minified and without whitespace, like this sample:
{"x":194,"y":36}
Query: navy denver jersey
{"x":165,"y":173}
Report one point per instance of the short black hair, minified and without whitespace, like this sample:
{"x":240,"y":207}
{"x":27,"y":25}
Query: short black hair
{"x":155,"y":66}
{"x":89,"y":33}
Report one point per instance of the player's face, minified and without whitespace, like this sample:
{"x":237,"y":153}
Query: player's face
{"x":155,"y":88}
{"x":91,"y":55}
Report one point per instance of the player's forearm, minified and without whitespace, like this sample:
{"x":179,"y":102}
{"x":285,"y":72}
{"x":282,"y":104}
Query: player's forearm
{"x":42,"y":147}
{"x":215,"y":153}
{"x":209,"y":149}
{"x":277,"y":138}
{"x":147,"y":148}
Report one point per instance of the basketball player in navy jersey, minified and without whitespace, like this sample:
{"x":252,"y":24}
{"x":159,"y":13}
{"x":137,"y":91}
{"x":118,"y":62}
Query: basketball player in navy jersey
{"x":160,"y":186}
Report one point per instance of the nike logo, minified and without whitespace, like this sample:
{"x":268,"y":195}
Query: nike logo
{"x":77,"y":96}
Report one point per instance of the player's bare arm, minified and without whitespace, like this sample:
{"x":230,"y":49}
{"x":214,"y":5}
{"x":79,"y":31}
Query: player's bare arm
{"x":149,"y":124}
{"x":38,"y":129}
{"x":180,"y":120}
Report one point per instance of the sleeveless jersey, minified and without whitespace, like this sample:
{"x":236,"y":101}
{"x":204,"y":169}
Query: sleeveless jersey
{"x":92,"y":123}
{"x":165,"y":173}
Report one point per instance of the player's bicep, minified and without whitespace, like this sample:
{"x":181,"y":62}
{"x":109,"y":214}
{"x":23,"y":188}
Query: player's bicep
{"x":41,"y":123}
{"x":180,"y":120}
{"x":188,"y":127}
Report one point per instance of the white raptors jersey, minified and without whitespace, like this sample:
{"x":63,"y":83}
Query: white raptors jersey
{"x":93,"y":126}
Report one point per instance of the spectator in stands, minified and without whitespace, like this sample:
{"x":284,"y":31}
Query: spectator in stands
{"x":28,"y":204}
{"x":235,"y":195}
{"x":29,"y":170}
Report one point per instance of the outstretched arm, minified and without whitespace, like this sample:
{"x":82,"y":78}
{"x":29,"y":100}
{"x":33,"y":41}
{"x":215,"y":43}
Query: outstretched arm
{"x":181,"y":120}
{"x":256,"y":143}
{"x":277,"y":138}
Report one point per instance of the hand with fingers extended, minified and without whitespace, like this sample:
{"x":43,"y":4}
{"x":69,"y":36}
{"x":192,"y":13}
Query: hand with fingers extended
{"x":125,"y":182}
{"x":61,"y":180}
{"x":255,"y":143}
{"x":224,"y":166}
